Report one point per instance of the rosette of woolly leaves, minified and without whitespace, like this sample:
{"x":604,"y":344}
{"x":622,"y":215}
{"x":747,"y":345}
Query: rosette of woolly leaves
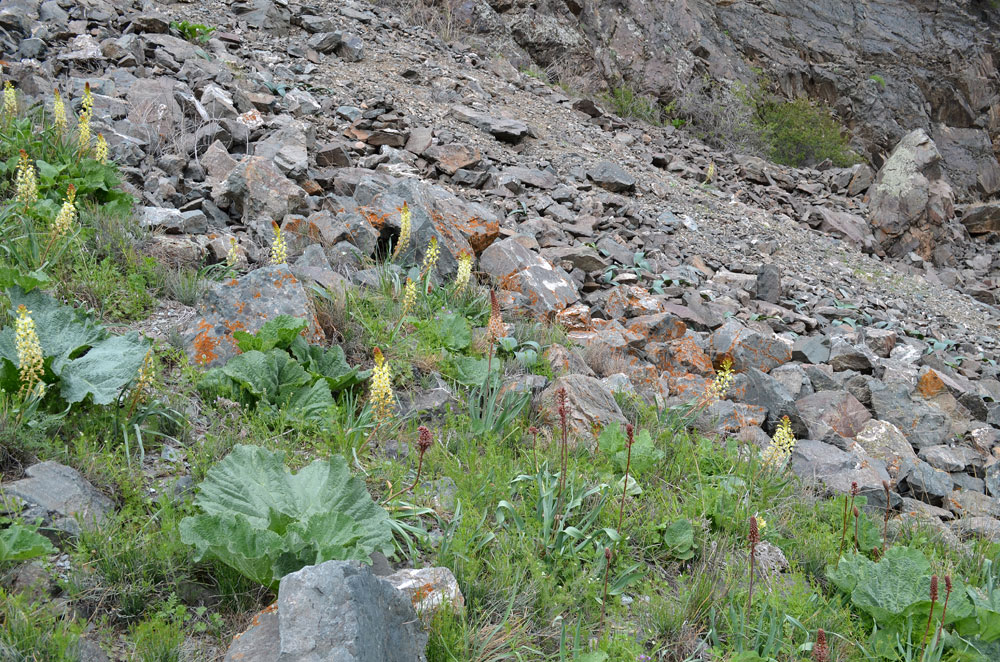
{"x":265,"y":521}
{"x":80,"y":356}
{"x":896,"y":588}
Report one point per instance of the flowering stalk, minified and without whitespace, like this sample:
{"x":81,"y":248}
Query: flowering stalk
{"x":464,"y":274}
{"x":232,"y":255}
{"x":63,"y":224}
{"x":142,"y":382}
{"x":944,"y":612}
{"x":533,"y":431}
{"x":101,"y":151}
{"x":30,"y":361}
{"x":279,"y":249}
{"x":780,"y":448}
{"x":9,"y":99}
{"x":494,"y":328}
{"x":857,"y":519}
{"x":380,"y":394}
{"x":404,"y":231}
{"x":753,"y":538}
{"x":58,"y":112}
{"x":86,"y":114}
{"x":843,"y":533}
{"x":821,"y":652}
{"x":26,"y":181}
{"x":430,"y":260}
{"x":927,"y":629}
{"x":563,"y":441}
{"x":424,"y":441}
{"x":409,"y":298}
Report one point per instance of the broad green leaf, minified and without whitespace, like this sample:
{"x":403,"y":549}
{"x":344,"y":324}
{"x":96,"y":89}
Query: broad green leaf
{"x":679,"y":539}
{"x":645,"y":456}
{"x":311,"y":402}
{"x":470,"y":371}
{"x":984,"y":623}
{"x":320,"y":512}
{"x":331,"y":365}
{"x":271,"y":377}
{"x":10,"y":277}
{"x":236,"y":542}
{"x":19,"y":543}
{"x":63,"y":332}
{"x":277,"y":332}
{"x":104,"y":370}
{"x":449,"y":331}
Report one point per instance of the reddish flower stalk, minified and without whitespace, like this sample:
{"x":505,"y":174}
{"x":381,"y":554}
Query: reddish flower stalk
{"x":857,"y":518}
{"x":607,"y":569}
{"x":885,"y":519}
{"x":843,"y":533}
{"x":630,"y":431}
{"x":821,"y":652}
{"x":563,"y":449}
{"x":753,"y":539}
{"x":944,"y":612}
{"x":934,"y":596}
{"x":424,"y":441}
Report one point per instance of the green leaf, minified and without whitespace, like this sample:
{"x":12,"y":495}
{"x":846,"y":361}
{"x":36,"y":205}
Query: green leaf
{"x":104,"y":370}
{"x":984,"y":624}
{"x":10,"y":277}
{"x":313,"y":402}
{"x":450,"y":331}
{"x":679,"y":539}
{"x":331,"y":365}
{"x":19,"y":543}
{"x":321,"y":512}
{"x":270,"y":377}
{"x":470,"y":371}
{"x":277,"y":332}
{"x":645,"y":456}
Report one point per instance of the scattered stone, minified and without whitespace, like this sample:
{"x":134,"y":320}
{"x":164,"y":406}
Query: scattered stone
{"x":429,"y":589}
{"x":60,"y":495}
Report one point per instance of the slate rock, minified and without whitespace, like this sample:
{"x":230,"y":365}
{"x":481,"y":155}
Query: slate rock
{"x":506,"y":130}
{"x":769,"y":283}
{"x":972,"y":504}
{"x":987,"y":528}
{"x":837,"y":469}
{"x":845,"y":356}
{"x":611,"y":177}
{"x":833,"y":411}
{"x":757,"y":388}
{"x":945,"y":458}
{"x":993,"y":480}
{"x":260,"y":193}
{"x":244,"y":304}
{"x":59,"y":492}
{"x":925,"y":482}
{"x":885,"y":442}
{"x":588,"y":403}
{"x":748,"y":348}
{"x":811,"y":349}
{"x":922,"y":424}
{"x":337,"y":611}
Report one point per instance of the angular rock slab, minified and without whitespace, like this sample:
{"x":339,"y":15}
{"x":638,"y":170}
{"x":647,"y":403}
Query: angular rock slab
{"x":61,"y":492}
{"x":546,"y":289}
{"x":429,"y":589}
{"x":837,"y":469}
{"x":260,"y":192}
{"x":245,"y":304}
{"x":884,"y":441}
{"x":748,"y":348}
{"x":336,"y":611}
{"x":589,"y":403}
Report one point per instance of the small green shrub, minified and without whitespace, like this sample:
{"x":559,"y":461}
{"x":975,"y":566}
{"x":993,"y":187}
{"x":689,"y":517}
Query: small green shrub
{"x":802,"y":133}
{"x":626,"y":103}
{"x":157,"y":640}
{"x":192,"y":31}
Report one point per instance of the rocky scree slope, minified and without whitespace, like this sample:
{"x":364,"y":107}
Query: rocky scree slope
{"x":646,"y":245}
{"x":886,"y":66}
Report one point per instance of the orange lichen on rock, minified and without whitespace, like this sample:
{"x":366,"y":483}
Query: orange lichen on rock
{"x":204,"y":344}
{"x":930,"y":384}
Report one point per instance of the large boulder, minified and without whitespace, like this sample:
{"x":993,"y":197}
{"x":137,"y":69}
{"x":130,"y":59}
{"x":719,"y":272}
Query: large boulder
{"x":589,"y":404}
{"x":244,"y":304}
{"x":337,"y":611}
{"x":837,"y":469}
{"x":912,"y":202}
{"x":545,"y":289}
{"x":59,"y":495}
{"x":260,"y":192}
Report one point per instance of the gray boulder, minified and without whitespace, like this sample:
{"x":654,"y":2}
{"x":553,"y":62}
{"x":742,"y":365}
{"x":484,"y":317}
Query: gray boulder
{"x":59,"y":495}
{"x":336,"y":611}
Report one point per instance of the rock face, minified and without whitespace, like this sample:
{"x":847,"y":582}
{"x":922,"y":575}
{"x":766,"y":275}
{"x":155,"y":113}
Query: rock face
{"x":662,"y":47}
{"x":244,"y":304}
{"x":336,"y":611}
{"x":911,"y":201}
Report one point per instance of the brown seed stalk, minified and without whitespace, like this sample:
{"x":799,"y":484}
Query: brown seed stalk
{"x":857,"y":518}
{"x":607,"y":568}
{"x":424,"y":441}
{"x":753,"y":538}
{"x":843,"y":533}
{"x":934,"y":596}
{"x":821,"y":652}
{"x":944,"y":612}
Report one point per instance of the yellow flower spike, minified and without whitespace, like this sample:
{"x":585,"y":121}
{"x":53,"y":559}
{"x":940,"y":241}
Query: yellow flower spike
{"x":86,"y":114}
{"x":26,"y":180}
{"x":279,"y":249}
{"x":67,"y":215}
{"x":430,"y":257}
{"x":409,"y":296}
{"x":233,"y":255}
{"x":380,"y":395}
{"x":464,"y":272}
{"x":145,"y":379}
{"x":781,"y":446}
{"x":101,"y":151}
{"x":719,"y":387}
{"x":30,"y":362}
{"x":9,"y":99}
{"x":404,"y":231}
{"x":59,"y":112}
